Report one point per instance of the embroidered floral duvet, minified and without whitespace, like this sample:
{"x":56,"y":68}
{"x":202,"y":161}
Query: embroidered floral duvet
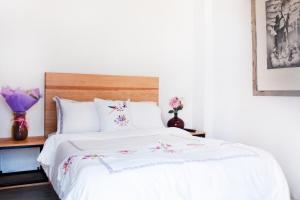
{"x":159,"y":164}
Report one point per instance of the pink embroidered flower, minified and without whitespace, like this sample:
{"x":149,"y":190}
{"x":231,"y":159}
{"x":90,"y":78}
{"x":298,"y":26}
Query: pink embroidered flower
{"x":68,"y":163}
{"x":163,"y":147}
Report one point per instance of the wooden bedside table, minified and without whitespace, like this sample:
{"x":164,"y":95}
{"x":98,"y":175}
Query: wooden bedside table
{"x":195,"y":132}
{"x":15,"y":179}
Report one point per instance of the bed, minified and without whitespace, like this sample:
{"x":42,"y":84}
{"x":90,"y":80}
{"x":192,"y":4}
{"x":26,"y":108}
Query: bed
{"x":147,"y":164}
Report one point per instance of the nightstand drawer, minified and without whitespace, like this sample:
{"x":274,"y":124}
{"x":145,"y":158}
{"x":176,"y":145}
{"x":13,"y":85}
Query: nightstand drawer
{"x":23,"y":177}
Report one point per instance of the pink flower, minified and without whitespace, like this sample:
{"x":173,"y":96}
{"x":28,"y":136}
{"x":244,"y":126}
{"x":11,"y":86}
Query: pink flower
{"x":175,"y":102}
{"x":68,"y":163}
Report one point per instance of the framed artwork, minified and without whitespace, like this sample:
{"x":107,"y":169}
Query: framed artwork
{"x":276,"y":47}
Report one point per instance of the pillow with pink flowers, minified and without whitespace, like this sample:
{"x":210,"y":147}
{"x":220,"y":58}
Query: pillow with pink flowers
{"x":114,"y":115}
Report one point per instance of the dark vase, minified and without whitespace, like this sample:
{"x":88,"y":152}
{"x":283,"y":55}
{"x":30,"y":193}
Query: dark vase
{"x":176,"y":122}
{"x":19,"y":128}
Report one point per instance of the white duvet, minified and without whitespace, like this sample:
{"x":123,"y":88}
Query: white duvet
{"x":161,"y":164}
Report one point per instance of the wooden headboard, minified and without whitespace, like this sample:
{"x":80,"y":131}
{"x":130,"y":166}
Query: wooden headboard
{"x":85,"y":87}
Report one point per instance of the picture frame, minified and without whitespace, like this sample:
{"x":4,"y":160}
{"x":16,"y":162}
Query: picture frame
{"x":283,"y":79}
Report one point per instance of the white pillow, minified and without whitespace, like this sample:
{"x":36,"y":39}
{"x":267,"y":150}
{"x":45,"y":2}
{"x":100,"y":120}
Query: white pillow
{"x":114,"y":115}
{"x":146,"y":115}
{"x":75,"y":117}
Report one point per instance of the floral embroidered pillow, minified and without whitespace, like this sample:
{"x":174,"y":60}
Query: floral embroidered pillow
{"x":114,"y":115}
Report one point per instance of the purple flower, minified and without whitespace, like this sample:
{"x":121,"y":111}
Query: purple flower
{"x":20,"y":100}
{"x":121,"y":120}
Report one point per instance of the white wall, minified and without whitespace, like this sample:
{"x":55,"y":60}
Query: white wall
{"x":233,"y":113}
{"x":132,"y":37}
{"x":139,"y":37}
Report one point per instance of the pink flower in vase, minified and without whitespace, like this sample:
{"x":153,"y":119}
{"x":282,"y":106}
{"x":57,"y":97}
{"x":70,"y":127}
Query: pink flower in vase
{"x":174,"y":102}
{"x":176,"y":105}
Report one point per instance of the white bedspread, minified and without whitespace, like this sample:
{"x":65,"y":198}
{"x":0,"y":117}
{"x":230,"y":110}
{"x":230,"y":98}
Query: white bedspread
{"x":161,"y":164}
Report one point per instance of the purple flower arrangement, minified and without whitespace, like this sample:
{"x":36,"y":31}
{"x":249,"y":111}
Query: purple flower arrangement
{"x":20,"y":101}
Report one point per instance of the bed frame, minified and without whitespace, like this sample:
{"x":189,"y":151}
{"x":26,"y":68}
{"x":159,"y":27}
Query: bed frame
{"x":85,"y":87}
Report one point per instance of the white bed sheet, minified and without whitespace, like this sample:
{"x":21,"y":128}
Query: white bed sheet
{"x":246,"y":174}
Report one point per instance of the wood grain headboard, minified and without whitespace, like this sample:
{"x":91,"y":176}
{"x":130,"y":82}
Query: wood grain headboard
{"x":85,"y":87}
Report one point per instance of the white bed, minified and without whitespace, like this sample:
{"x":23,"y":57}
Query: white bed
{"x":158,"y":164}
{"x":142,"y":163}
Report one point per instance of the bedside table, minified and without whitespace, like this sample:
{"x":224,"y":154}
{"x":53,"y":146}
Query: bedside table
{"x":17,"y":179}
{"x":195,"y":133}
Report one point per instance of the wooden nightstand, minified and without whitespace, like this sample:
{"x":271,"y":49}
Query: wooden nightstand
{"x":8,"y":180}
{"x":196,"y":133}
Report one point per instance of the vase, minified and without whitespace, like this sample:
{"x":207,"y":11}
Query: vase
{"x":176,"y":122}
{"x":19,"y":127}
